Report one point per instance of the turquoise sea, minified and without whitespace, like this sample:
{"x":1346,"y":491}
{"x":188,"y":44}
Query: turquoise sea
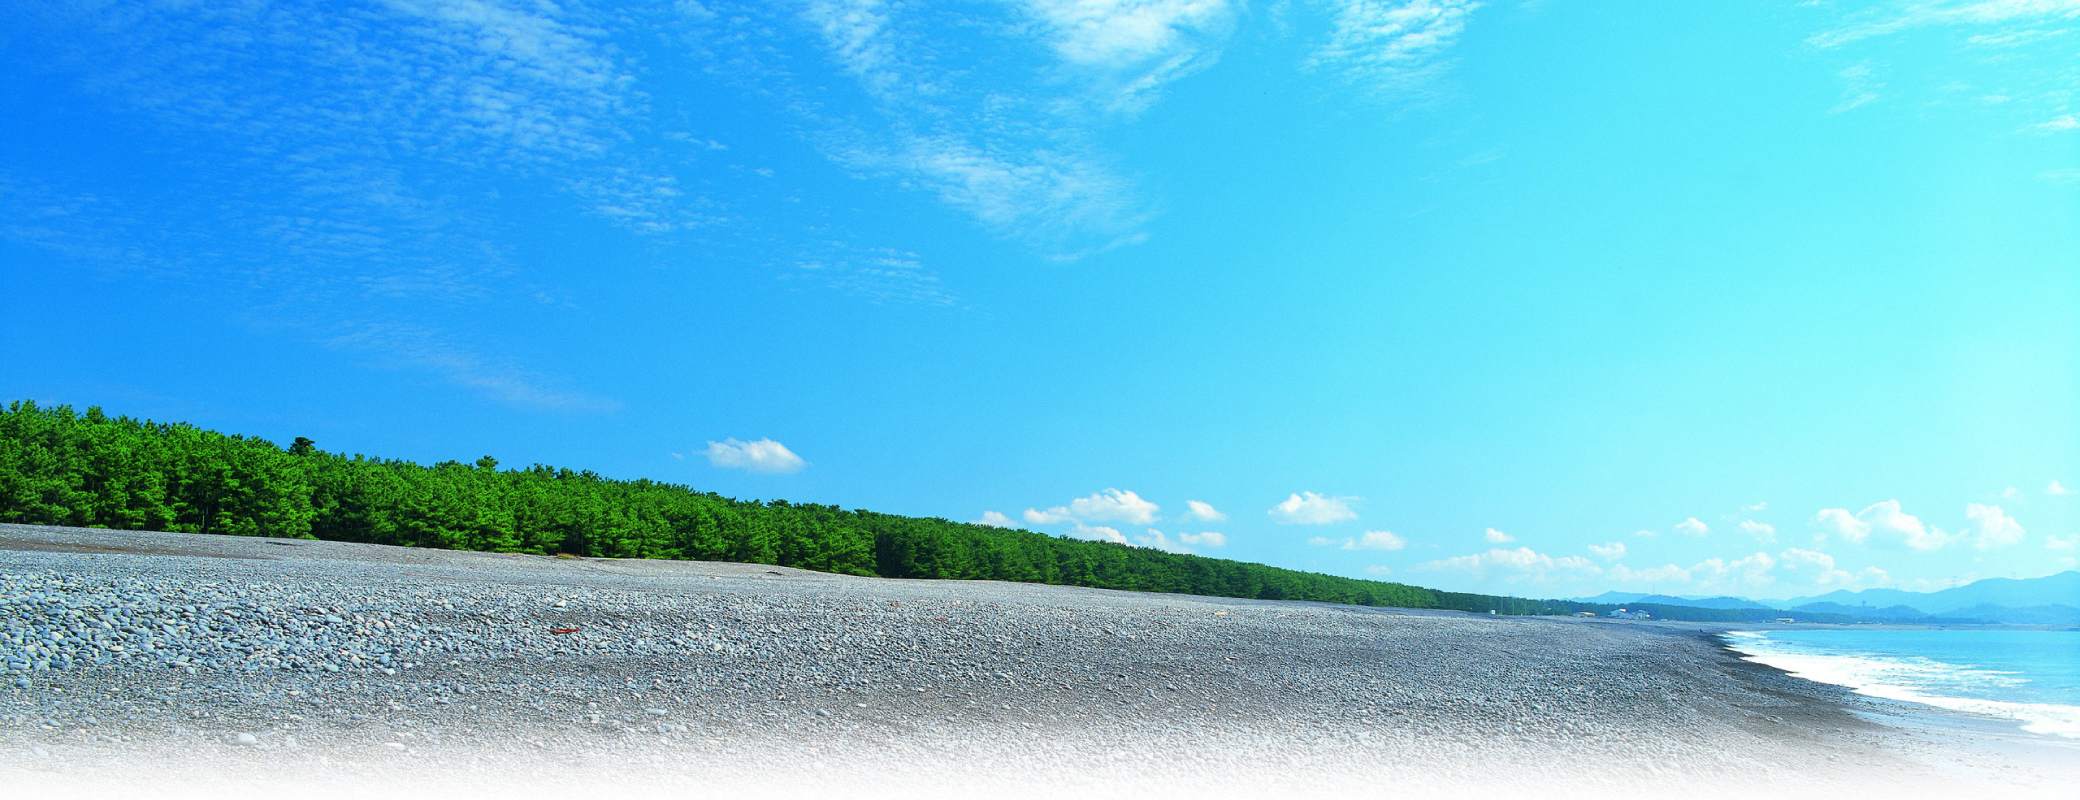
{"x":2032,"y":677}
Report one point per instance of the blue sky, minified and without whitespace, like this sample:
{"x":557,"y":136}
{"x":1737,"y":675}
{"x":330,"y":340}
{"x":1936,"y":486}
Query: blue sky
{"x":1545,"y":298}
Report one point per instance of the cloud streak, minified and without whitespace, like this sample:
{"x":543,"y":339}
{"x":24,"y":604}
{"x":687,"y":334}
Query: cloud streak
{"x":1390,"y":46}
{"x":1000,"y":132}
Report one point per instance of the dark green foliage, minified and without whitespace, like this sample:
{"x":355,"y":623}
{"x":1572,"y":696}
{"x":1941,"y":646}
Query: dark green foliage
{"x":58,"y":467}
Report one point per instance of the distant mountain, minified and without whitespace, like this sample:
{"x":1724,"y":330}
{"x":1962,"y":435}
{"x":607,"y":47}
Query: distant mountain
{"x":1610,"y":598}
{"x":2030,"y":615}
{"x":1905,"y":614}
{"x":2062,"y":589}
{"x":1706,"y":602}
{"x":1690,"y":601}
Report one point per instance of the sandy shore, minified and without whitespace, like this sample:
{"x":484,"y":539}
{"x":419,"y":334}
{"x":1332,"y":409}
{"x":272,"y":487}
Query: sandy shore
{"x":231,"y":664}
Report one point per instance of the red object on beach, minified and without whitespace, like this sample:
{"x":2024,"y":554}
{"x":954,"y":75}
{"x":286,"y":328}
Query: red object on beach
{"x":563,"y":630}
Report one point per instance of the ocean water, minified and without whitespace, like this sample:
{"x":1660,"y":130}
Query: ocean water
{"x":2032,"y":677}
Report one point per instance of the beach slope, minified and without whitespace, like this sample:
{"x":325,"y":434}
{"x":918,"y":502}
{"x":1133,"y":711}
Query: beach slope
{"x":188,"y":663}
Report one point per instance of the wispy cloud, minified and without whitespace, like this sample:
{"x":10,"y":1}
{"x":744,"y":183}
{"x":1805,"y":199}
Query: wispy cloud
{"x":1369,"y":540}
{"x":1391,"y":46}
{"x":334,"y":154}
{"x":878,"y":274}
{"x":1860,"y":85}
{"x":2016,"y":55}
{"x":1126,"y":51}
{"x":999,"y":131}
{"x":398,"y":345}
{"x":1899,"y":16}
{"x":1493,"y":536}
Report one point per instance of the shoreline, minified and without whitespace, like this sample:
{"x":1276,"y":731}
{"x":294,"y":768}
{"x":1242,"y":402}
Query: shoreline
{"x":755,"y":677}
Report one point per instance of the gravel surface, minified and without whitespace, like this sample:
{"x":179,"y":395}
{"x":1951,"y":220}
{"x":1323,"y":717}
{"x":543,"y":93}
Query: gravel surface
{"x":201,"y":662}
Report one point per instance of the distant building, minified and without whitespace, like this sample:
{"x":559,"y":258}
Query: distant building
{"x":1787,"y":619}
{"x":1624,"y":614}
{"x":1589,"y":614}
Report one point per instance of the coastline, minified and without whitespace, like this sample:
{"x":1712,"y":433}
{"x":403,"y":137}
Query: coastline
{"x":758,"y":679}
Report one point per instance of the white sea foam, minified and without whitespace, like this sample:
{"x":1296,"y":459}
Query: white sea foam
{"x":1912,"y":679}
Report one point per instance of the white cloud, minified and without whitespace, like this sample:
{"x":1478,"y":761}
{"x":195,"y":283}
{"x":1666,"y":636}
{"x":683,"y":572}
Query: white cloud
{"x":1809,"y":570}
{"x":1497,"y":537}
{"x":1759,"y":506}
{"x":1608,"y":552}
{"x":2011,"y":493}
{"x":1692,"y":527}
{"x":1153,"y":539}
{"x":1760,"y":530}
{"x":2056,"y":490}
{"x":1376,"y":540}
{"x":1883,"y":521}
{"x":1203,"y":511}
{"x":1099,"y":533}
{"x":1995,"y":527}
{"x":1321,"y":541}
{"x":1814,"y":567}
{"x":1037,"y":517}
{"x":1645,"y":534}
{"x":1308,"y":508}
{"x":1111,"y":505}
{"x":1391,"y":45}
{"x":1157,"y":540}
{"x":1520,"y":560}
{"x":994,"y":520}
{"x":1844,"y":524}
{"x":2056,"y":542}
{"x":1622,"y":575}
{"x":1746,"y":573}
{"x":764,"y":455}
{"x":1379,"y":569}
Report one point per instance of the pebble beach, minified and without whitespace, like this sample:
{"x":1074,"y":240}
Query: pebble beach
{"x":180,"y":664}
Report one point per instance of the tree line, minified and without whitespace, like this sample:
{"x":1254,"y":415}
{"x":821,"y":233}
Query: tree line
{"x":62,"y":467}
